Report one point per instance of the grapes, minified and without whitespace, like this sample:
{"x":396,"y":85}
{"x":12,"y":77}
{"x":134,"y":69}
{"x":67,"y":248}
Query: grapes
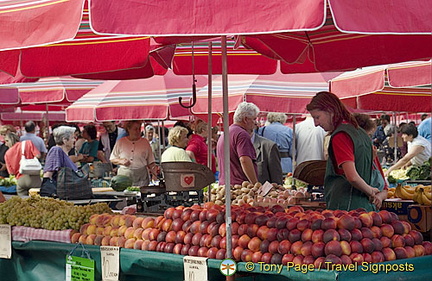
{"x":48,"y":213}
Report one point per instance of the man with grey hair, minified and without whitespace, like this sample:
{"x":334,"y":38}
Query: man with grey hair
{"x":280,"y":134}
{"x":242,"y":152}
{"x":30,"y":128}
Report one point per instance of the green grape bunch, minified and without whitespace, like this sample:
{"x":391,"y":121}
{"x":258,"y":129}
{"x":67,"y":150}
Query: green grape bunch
{"x":48,"y":213}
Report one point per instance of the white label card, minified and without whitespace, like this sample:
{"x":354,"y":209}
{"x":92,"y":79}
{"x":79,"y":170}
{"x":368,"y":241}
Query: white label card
{"x":5,"y":241}
{"x":265,"y":188}
{"x":195,"y":268}
{"x":110,"y":257}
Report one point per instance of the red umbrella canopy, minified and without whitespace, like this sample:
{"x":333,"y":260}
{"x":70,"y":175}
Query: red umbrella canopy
{"x":30,"y":23}
{"x":194,"y":58}
{"x":402,"y":87}
{"x":355,"y":34}
{"x":83,"y":53}
{"x":349,"y":35}
{"x":155,"y":98}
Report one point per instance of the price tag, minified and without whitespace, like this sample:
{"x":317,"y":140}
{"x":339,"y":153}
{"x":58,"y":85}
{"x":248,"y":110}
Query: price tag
{"x":110,"y":257}
{"x":79,"y":269}
{"x":265,"y":188}
{"x":5,"y":241}
{"x":195,"y":268}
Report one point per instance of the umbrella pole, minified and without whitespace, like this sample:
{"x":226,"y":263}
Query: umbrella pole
{"x":226,"y":150}
{"x":209,"y":113}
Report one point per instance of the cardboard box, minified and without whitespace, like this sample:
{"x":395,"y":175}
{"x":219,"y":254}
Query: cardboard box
{"x":420,"y":216}
{"x":396,"y":205}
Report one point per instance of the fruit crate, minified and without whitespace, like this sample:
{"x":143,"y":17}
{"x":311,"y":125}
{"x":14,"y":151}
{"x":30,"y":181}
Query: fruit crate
{"x":397,"y":205}
{"x":417,"y":182}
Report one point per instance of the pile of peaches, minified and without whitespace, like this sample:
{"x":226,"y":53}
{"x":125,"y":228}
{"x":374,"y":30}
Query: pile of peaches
{"x":263,"y":234}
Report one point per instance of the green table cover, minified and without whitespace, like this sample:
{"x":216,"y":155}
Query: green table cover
{"x":41,"y":260}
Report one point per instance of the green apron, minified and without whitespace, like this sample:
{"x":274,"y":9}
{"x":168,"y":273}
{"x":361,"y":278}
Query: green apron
{"x":339,"y":193}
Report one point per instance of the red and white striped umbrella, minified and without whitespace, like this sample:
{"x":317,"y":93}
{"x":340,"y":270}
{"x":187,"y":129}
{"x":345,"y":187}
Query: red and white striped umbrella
{"x":155,"y":98}
{"x":404,"y":87}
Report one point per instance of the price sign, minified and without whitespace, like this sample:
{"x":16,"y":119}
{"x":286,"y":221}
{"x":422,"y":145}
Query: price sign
{"x":5,"y":241}
{"x":110,"y":257}
{"x":265,"y":188}
{"x":195,"y":268}
{"x":79,"y":269}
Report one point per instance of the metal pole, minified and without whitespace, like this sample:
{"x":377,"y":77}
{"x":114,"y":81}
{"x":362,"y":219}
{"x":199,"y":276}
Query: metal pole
{"x":226,"y":149}
{"x":209,"y":112}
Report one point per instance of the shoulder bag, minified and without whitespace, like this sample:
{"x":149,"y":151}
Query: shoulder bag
{"x":72,"y":185}
{"x":29,"y":166}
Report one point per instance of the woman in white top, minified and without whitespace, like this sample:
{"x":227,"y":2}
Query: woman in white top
{"x":134,"y":156}
{"x":178,"y":140}
{"x":419,"y":149}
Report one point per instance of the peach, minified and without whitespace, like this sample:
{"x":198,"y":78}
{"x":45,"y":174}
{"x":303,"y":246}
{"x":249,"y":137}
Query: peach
{"x":115,"y":220}
{"x":333,"y":259}
{"x":385,"y":241}
{"x":107,"y":230}
{"x":90,"y":239}
{"x":329,"y":223}
{"x":298,"y":259}
{"x":178,"y":247}
{"x":317,"y":249}
{"x":398,"y":227}
{"x":401,"y":253}
{"x":91,"y":229}
{"x":316,"y":224}
{"x":185,"y":249}
{"x":356,"y":247}
{"x":377,"y":256}
{"x":252,"y":230}
{"x":287,"y":258}
{"x":264,"y":246}
{"x":346,"y":248}
{"x":346,"y":222}
{"x":266,"y":258}
{"x":193,"y":251}
{"x":419,"y":250}
{"x":306,"y":234}
{"x":410,"y":251}
{"x":276,"y":258}
{"x":345,"y":235}
{"x":202,"y":252}
{"x":294,"y":235}
{"x":129,"y":232}
{"x":97,"y":240}
{"x":113,"y":241}
{"x":122,"y":230}
{"x":367,"y":232}
{"x":317,"y":235}
{"x":303,"y":224}
{"x":100,"y":230}
{"x":130,"y":243}
{"x":306,"y":249}
{"x":154,"y":233}
{"x":244,"y":241}
{"x":387,"y":230}
{"x":397,"y":241}
{"x":333,"y":247}
{"x":409,"y":240}
{"x":254,"y":244}
{"x":284,"y":247}
{"x":221,"y":254}
{"x":106,"y":241}
{"x":296,"y":247}
{"x":367,"y":257}
{"x":169,"y":212}
{"x":331,"y":234}
{"x":376,"y":218}
{"x":237,"y":252}
{"x":256,"y":257}
{"x":75,"y":237}
{"x":385,"y":216}
{"x":114,"y":231}
{"x":153,"y":245}
{"x":368,"y":245}
{"x":366,"y":219}
{"x":246,"y":255}
{"x":211,"y":253}
{"x":407,"y":227}
{"x":273,"y":247}
{"x":418,"y":237}
{"x":137,"y":223}
{"x":357,"y":258}
{"x":319,"y":262}
{"x":377,"y":232}
{"x":346,"y":259}
{"x":291,"y":223}
{"x":377,"y":243}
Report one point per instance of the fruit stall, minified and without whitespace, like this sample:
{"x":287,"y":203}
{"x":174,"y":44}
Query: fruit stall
{"x":279,"y":231}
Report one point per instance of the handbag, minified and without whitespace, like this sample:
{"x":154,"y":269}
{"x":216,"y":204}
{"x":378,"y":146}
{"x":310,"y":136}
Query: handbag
{"x":29,"y":166}
{"x":72,"y":185}
{"x":48,"y":188}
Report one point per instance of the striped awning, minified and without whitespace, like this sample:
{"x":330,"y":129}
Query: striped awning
{"x":155,"y":98}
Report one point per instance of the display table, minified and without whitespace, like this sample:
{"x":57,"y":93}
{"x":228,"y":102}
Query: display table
{"x":39,"y":260}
